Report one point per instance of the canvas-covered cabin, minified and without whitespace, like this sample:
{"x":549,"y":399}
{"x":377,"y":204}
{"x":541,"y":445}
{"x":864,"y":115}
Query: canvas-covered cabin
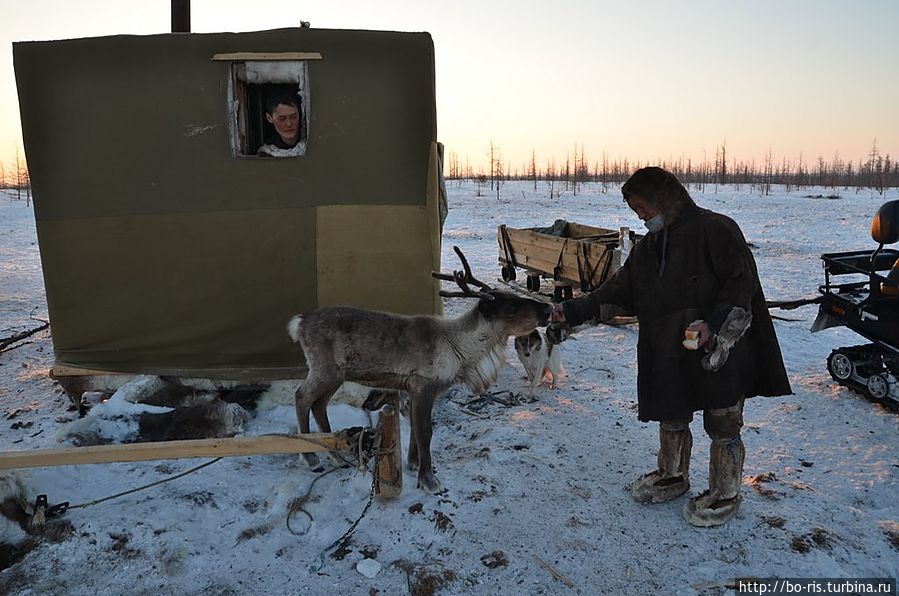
{"x":172,"y":245}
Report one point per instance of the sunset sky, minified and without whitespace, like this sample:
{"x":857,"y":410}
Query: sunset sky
{"x":641,"y":80}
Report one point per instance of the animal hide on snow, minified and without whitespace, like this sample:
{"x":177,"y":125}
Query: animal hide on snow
{"x":124,"y":419}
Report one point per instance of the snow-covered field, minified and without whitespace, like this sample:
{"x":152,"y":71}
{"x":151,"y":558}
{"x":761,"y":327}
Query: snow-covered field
{"x":542,"y":481}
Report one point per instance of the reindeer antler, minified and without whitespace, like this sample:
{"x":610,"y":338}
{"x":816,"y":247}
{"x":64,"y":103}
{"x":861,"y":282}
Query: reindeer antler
{"x":462,"y":279}
{"x":468,"y":276}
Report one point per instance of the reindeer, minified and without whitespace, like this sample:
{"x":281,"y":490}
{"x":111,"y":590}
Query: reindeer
{"x":421,"y":355}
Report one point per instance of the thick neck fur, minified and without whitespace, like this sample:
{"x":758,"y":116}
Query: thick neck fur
{"x":479,"y":347}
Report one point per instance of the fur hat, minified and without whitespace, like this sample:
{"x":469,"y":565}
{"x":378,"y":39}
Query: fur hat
{"x":659,"y":188}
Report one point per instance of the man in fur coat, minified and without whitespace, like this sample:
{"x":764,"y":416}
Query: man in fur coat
{"x":693,"y":271}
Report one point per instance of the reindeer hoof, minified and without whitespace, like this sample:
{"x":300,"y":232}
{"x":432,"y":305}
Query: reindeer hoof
{"x":429,"y":483}
{"x":412,"y":466}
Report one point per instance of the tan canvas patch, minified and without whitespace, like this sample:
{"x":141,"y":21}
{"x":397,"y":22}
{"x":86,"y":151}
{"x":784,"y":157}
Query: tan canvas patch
{"x":379,"y":257}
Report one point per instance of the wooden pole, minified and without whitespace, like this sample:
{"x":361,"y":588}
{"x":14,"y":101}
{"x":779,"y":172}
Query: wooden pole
{"x":180,"y":16}
{"x":389,"y":483}
{"x":98,"y":454}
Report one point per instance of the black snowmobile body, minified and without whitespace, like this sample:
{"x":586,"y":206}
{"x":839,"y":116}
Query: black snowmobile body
{"x":861,"y":292}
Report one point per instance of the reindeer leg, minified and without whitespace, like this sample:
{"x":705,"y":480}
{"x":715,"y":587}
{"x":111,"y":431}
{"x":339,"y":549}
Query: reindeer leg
{"x":412,"y":453}
{"x":320,"y":412}
{"x":422,"y":404}
{"x":302,"y":407}
{"x":313,"y":391}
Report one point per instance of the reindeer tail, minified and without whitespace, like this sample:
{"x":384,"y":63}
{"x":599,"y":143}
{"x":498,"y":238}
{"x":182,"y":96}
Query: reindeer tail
{"x":293,"y":328}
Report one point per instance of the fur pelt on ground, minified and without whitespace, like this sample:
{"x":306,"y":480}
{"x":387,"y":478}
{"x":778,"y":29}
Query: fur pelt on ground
{"x":126,"y":417}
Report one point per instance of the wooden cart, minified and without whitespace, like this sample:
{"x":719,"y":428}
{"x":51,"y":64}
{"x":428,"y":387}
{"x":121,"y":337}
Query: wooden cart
{"x":571,"y":255}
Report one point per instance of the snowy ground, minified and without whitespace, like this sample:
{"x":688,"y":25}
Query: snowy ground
{"x":540,"y":480}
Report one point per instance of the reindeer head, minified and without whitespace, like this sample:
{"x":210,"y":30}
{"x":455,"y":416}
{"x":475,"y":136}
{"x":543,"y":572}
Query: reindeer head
{"x":518,"y":315}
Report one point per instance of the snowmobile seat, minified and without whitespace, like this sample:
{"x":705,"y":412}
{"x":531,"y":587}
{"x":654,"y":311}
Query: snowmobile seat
{"x":885,"y":226}
{"x":885,"y":230}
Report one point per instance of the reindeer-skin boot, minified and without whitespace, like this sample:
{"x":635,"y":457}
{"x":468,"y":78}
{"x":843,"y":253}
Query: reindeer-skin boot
{"x":672,"y":477}
{"x":721,"y":501}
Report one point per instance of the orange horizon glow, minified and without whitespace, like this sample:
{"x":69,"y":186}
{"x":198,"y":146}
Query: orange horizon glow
{"x":646,"y":82}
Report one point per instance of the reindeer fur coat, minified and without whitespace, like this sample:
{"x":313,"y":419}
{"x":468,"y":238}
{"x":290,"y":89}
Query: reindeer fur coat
{"x":698,"y":267}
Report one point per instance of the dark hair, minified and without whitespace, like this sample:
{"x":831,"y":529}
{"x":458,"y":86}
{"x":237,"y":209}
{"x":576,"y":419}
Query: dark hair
{"x":659,"y":188}
{"x":647,"y":182}
{"x":282,"y":97}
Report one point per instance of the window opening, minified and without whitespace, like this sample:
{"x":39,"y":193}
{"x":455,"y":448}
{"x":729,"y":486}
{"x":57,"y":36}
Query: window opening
{"x":270,"y":108}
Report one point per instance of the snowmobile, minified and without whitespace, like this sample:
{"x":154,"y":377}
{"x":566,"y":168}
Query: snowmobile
{"x":861,"y":292}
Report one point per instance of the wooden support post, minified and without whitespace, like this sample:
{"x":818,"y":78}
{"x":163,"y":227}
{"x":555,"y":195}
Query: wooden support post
{"x":389,"y":483}
{"x":262,"y":445}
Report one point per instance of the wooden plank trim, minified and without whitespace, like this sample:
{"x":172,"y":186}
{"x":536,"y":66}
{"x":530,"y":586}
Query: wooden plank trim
{"x":576,"y":230}
{"x":249,"y":56}
{"x":64,"y":370}
{"x":227,"y":447}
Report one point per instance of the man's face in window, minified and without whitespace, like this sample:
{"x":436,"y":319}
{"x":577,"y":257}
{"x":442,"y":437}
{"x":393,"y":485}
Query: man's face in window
{"x":286,"y":120}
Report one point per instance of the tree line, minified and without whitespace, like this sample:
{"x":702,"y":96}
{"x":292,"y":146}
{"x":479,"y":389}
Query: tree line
{"x":875,"y":171}
{"x":15,"y":176}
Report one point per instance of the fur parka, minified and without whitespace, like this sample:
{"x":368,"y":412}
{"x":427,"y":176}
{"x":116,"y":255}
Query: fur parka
{"x":698,"y":267}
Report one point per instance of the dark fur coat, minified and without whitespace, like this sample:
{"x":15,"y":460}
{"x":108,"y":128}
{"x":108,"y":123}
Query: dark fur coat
{"x":697,"y":268}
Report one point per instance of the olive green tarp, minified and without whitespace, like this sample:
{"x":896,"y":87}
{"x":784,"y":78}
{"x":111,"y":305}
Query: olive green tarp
{"x":163,"y":253}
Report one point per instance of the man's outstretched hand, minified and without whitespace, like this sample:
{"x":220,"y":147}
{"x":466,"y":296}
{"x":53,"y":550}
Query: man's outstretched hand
{"x":705,"y":333}
{"x":558,"y":315}
{"x":558,"y":329}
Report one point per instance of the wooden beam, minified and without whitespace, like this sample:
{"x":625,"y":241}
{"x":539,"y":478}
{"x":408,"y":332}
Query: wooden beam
{"x":245,"y":56}
{"x":98,"y":454}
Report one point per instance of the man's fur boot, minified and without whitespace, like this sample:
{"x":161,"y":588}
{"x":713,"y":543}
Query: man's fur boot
{"x":722,"y":500}
{"x":672,"y":478}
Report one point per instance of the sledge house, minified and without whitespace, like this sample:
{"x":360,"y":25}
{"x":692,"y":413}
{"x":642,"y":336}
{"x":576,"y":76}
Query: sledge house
{"x":172,"y":246}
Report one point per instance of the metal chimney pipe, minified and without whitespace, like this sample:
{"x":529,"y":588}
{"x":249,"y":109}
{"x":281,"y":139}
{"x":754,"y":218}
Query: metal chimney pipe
{"x":180,"y":16}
